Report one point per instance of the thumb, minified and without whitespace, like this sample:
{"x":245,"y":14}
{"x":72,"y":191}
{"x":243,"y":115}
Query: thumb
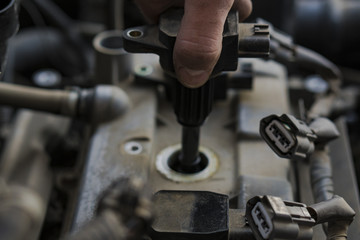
{"x":199,"y":41}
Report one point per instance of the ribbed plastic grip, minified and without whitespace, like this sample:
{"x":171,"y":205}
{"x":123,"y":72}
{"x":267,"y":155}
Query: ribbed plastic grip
{"x":193,"y":105}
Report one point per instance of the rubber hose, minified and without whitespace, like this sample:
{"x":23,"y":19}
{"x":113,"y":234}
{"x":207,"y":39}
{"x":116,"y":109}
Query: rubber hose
{"x":321,"y":176}
{"x":53,"y":101}
{"x":42,"y":47}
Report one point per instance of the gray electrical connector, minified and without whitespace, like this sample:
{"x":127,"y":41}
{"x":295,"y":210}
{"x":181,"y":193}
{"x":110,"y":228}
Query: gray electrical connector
{"x":287,"y":136}
{"x":271,"y":218}
{"x":262,"y":220}
{"x":279,"y":133}
{"x":291,"y":138}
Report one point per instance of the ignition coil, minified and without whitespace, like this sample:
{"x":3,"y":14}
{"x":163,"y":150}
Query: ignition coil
{"x":193,"y":105}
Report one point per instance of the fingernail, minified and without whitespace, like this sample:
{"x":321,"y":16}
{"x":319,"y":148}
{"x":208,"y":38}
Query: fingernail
{"x":192,"y":78}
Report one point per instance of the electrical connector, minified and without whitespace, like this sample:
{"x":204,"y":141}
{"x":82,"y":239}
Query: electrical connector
{"x":279,"y":134}
{"x":262,"y":220}
{"x":287,"y":136}
{"x":272,"y":218}
{"x":291,"y":138}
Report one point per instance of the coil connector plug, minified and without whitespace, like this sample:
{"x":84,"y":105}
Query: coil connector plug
{"x":272,"y":218}
{"x":292,"y":138}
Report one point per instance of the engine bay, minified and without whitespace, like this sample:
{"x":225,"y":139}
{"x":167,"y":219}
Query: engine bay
{"x":98,"y":139}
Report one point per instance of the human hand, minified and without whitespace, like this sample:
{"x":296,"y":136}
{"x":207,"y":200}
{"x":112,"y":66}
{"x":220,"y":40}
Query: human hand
{"x":199,"y":41}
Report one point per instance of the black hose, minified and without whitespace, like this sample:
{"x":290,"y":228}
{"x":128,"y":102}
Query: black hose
{"x":294,"y":56}
{"x":55,"y":15}
{"x":61,"y":20}
{"x":309,"y":59}
{"x":42,"y":47}
{"x":285,"y":51}
{"x":34,"y":13}
{"x":8,"y":27}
